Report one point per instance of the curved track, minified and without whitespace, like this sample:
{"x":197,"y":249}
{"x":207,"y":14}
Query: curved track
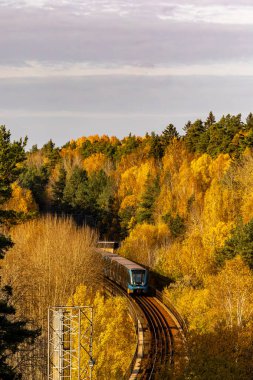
{"x":162,"y":336}
{"x":161,"y":353}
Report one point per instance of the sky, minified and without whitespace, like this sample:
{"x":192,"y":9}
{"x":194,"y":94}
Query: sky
{"x":72,"y":68}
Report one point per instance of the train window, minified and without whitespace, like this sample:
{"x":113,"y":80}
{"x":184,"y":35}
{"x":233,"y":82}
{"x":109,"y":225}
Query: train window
{"x":138,"y":277}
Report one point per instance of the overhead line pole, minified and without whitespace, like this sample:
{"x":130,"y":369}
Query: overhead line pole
{"x":70,"y":337}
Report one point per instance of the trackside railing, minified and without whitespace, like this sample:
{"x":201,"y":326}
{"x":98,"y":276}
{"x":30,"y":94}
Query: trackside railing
{"x":165,"y":300}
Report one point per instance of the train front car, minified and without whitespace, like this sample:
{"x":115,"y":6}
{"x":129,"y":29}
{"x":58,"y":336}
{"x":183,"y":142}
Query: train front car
{"x":138,"y":280}
{"x":130,"y":276}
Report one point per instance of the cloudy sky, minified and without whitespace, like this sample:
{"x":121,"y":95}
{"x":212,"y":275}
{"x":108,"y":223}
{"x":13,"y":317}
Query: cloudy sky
{"x":70,"y":68}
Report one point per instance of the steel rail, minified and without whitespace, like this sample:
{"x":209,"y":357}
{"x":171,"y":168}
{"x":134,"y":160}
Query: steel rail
{"x":161,"y":332}
{"x":160,"y":351}
{"x":114,"y":288}
{"x":167,"y":328}
{"x":149,"y":372}
{"x":164,"y":342}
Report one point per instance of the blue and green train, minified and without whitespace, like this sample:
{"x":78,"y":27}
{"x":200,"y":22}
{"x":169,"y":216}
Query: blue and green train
{"x":130,"y":276}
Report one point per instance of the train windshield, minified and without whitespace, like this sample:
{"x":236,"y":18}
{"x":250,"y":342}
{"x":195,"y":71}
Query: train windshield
{"x":138,"y":277}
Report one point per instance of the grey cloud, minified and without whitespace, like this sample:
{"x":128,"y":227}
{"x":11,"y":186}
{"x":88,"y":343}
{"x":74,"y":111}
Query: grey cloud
{"x":67,"y":108}
{"x":216,"y":2}
{"x":142,"y":6}
{"x":55,"y":37}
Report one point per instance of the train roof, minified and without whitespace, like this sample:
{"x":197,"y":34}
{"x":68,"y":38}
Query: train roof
{"x":121,"y":260}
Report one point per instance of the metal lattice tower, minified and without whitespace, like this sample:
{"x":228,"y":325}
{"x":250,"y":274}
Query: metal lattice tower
{"x":70,"y":330}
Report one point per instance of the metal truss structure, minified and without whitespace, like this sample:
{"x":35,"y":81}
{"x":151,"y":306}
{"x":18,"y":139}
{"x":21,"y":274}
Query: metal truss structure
{"x":70,"y":330}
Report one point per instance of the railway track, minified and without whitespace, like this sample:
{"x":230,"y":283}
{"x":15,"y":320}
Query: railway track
{"x":162,"y":343}
{"x":162,"y":337}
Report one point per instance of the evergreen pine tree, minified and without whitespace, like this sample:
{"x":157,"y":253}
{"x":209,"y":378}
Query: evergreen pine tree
{"x":145,"y":209}
{"x":51,"y":153}
{"x":169,"y":134}
{"x":58,"y":191}
{"x":12,"y":332}
{"x":156,"y":147}
{"x":249,"y":121}
{"x":76,"y":191}
{"x":210,"y":120}
{"x":193,"y":134}
{"x":240,"y":243}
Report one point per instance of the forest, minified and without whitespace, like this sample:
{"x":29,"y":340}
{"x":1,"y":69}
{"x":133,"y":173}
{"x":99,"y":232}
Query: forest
{"x":180,"y":205}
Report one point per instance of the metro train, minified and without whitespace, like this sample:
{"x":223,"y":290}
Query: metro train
{"x":130,"y":276}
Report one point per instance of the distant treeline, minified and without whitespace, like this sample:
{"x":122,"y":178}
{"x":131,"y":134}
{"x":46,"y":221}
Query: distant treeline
{"x":85,"y":176}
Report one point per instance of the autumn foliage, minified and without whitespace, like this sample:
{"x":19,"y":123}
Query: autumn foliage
{"x":181,"y":205}
{"x":114,"y":339}
{"x":51,"y":257}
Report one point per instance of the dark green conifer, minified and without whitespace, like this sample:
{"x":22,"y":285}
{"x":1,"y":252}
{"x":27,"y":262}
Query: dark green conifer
{"x":240,"y":243}
{"x":193,"y":134}
{"x":146,"y":207}
{"x":210,"y":120}
{"x":249,"y":120}
{"x":176,"y":224}
{"x":58,"y":191}
{"x":169,"y":134}
{"x":156,"y":146}
{"x":13,"y":333}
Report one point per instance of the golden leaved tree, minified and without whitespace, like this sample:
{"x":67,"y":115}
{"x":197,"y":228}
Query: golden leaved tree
{"x":231,"y":293}
{"x":50,"y":258}
{"x":226,"y":297}
{"x":143,"y":242}
{"x":96,"y":162}
{"x":176,"y":181}
{"x":21,"y":200}
{"x":114,"y":339}
{"x":243,"y":178}
{"x":185,"y":260}
{"x":220,"y":320}
{"x":133,"y":180}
